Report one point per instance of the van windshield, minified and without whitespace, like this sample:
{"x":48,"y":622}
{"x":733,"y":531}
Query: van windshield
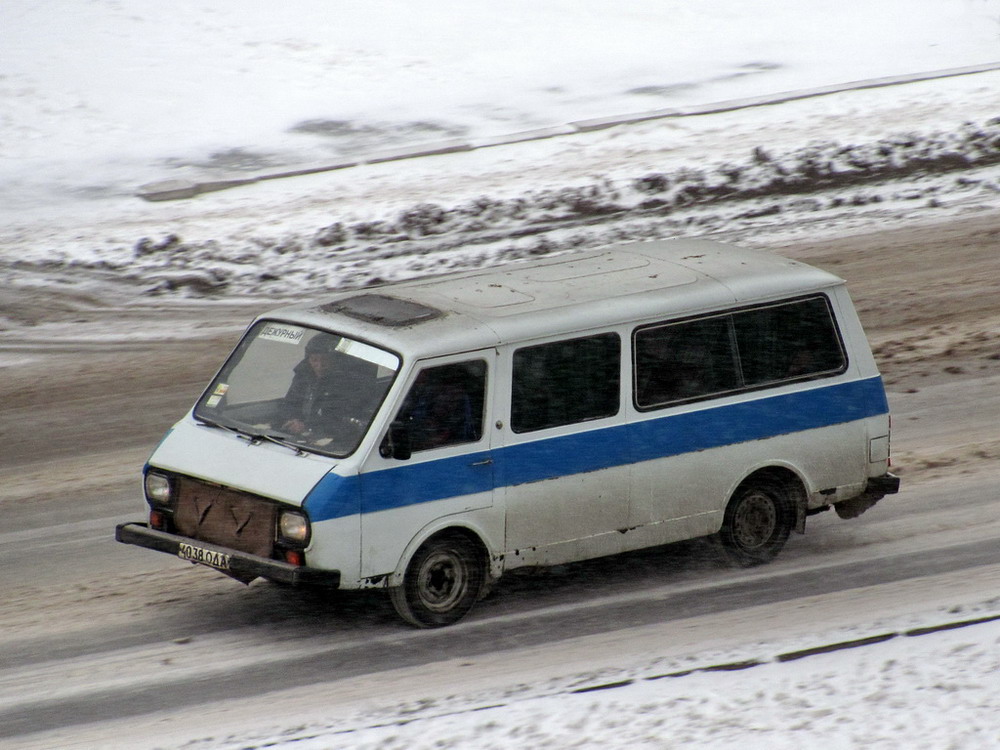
{"x":311,"y":389}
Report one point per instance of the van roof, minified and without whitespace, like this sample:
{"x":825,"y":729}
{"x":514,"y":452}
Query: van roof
{"x":642,"y":281}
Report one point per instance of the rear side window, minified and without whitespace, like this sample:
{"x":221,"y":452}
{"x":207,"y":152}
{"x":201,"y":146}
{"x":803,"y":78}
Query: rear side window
{"x":565,"y":382}
{"x":788,"y":341}
{"x":742,"y":350}
{"x":684,"y":361}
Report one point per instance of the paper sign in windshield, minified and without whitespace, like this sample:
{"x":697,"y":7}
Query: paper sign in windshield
{"x":280,"y":332}
{"x":216,"y":397}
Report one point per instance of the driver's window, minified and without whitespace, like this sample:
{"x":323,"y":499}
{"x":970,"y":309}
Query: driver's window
{"x":445,"y":405}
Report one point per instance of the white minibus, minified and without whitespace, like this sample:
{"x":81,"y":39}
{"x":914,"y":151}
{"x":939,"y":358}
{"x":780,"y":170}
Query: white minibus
{"x":425,"y":437}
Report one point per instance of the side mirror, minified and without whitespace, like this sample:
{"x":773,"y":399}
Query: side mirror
{"x":396,"y":443}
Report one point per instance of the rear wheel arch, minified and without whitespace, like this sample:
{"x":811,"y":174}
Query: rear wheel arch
{"x":791,"y":481}
{"x":760,"y":513}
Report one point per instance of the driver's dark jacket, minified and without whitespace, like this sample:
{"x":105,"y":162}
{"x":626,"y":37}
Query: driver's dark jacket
{"x":307,"y":396}
{"x":344,"y":389}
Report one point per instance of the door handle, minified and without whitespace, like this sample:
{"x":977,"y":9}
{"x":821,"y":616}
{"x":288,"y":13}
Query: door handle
{"x":484,"y":462}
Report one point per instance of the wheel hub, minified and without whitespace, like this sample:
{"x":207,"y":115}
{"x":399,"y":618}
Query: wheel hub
{"x":755,"y":521}
{"x":441,"y":581}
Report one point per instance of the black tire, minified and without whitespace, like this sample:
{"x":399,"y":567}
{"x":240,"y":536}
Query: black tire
{"x":757,"y":522}
{"x":442,"y":582}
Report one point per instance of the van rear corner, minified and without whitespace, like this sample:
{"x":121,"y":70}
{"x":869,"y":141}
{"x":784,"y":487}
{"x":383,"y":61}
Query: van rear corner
{"x":876,"y":488}
{"x":880,"y":481}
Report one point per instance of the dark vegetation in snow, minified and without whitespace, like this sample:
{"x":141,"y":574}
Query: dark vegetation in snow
{"x":434,"y":238}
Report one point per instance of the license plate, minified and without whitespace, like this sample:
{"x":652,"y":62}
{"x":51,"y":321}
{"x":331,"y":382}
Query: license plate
{"x":204,"y":556}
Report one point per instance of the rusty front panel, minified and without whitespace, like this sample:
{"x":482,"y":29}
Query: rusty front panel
{"x":225,"y":517}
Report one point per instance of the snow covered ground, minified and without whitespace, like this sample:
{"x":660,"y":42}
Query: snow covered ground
{"x":884,"y":691}
{"x":99,"y":98}
{"x":102,"y":98}
{"x":913,"y":664}
{"x":100,"y":94}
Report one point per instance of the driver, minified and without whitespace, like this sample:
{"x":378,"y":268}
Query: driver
{"x":303,"y":404}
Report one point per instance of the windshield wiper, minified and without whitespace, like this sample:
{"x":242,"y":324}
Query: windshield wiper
{"x":260,"y":437}
{"x":211,"y":423}
{"x":254,"y":438}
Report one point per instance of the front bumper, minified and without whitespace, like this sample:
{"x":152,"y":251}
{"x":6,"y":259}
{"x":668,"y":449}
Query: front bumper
{"x":239,"y":565}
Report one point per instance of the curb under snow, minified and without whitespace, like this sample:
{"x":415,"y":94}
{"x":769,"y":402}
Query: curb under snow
{"x":178,"y":189}
{"x":727,"y":667}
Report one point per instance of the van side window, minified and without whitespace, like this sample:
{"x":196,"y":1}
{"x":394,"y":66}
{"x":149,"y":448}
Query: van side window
{"x":445,"y":405}
{"x":684,"y":361}
{"x":788,"y":341}
{"x":742,"y":350}
{"x":565,"y":382}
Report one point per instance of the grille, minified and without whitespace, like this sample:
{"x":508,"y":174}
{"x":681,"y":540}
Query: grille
{"x":226,"y":517}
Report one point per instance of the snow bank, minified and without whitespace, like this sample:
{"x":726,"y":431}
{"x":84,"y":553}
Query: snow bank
{"x":432,"y":237}
{"x":921,"y":686}
{"x":936,"y":691}
{"x":100,"y":98}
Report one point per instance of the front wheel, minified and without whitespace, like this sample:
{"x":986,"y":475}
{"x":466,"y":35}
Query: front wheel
{"x":757,"y":523}
{"x":442,"y":582}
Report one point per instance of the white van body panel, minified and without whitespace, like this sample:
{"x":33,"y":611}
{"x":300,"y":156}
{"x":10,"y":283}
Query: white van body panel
{"x":564,"y":488}
{"x":562,"y":518}
{"x":221,"y":457}
{"x":385,"y":533}
{"x":386,"y":527}
{"x":686,"y":488}
{"x":336,"y":545}
{"x":564,"y":294}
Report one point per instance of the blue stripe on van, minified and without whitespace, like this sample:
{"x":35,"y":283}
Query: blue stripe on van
{"x":562,"y":456}
{"x":758,"y":419}
{"x":565,"y":455}
{"x":334,"y":496}
{"x":408,"y":484}
{"x":424,"y":482}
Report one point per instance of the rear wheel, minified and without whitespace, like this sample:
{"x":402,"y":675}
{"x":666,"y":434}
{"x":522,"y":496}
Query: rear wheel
{"x":758,"y":520}
{"x":442,"y":582}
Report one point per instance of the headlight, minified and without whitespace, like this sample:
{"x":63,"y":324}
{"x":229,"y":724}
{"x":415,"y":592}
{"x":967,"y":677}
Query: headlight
{"x":157,"y":488}
{"x":293,"y":527}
